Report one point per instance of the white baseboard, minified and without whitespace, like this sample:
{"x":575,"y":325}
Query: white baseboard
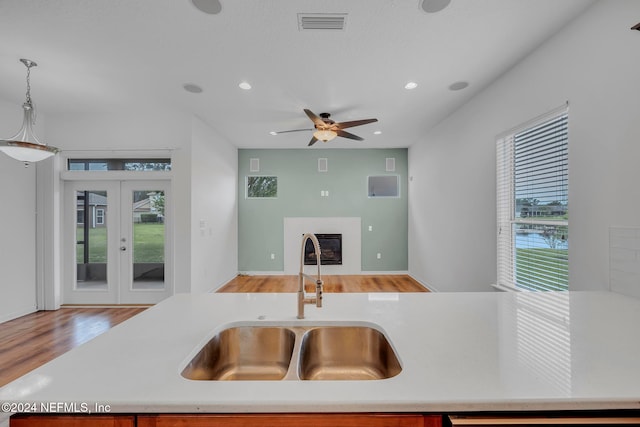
{"x":362,"y":273}
{"x":18,"y":313}
{"x":425,"y":284}
{"x":261,"y":273}
{"x":383,"y":273}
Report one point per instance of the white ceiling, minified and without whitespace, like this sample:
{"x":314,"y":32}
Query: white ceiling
{"x":106,"y":55}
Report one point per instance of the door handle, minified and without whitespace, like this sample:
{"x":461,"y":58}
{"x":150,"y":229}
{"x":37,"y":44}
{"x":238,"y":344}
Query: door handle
{"x":123,"y":248}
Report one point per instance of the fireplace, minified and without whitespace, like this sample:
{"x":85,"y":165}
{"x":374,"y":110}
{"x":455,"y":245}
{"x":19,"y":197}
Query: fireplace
{"x":330,"y":250}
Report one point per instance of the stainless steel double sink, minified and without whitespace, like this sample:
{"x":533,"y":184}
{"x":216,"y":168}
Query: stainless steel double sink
{"x":283,"y":352}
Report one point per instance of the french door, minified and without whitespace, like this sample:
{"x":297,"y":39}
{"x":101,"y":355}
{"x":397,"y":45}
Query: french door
{"x":117,"y":242}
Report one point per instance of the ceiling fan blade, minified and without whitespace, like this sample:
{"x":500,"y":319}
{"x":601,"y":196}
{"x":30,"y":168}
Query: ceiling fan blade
{"x":315,"y":119}
{"x":313,"y":141}
{"x":353,"y":123}
{"x":294,"y":130}
{"x":348,"y":135}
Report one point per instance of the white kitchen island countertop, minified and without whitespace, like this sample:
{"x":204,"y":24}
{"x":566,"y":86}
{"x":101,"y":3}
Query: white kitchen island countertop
{"x":493,"y":351}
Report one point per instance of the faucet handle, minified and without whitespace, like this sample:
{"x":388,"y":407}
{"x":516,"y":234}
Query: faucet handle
{"x":319,"y":292}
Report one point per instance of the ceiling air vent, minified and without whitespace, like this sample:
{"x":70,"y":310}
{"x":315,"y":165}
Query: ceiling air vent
{"x":321,"y":21}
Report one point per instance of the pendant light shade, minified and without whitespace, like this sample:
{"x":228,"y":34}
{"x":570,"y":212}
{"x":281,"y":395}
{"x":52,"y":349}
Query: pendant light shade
{"x":24,"y":145}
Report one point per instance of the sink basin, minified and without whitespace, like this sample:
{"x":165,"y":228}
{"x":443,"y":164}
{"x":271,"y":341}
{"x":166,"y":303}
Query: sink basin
{"x":346,"y":353}
{"x":244,"y":353}
{"x":296,"y":352}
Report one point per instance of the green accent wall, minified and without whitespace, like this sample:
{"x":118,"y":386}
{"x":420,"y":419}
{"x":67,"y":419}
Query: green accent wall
{"x":261,"y":221}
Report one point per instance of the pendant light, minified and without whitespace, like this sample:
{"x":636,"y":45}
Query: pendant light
{"x":24,"y":145}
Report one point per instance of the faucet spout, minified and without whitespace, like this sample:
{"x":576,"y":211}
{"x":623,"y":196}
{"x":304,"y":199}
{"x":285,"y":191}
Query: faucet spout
{"x":303,"y":298}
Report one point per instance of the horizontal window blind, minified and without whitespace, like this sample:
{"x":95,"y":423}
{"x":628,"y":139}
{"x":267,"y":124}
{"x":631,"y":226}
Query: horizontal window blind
{"x":541,"y":165}
{"x":533,"y":206}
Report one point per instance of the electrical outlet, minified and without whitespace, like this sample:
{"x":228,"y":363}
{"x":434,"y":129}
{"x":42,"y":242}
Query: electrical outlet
{"x":273,"y":256}
{"x":379,"y":255}
{"x":371,"y":228}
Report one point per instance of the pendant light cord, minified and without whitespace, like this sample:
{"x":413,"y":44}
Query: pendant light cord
{"x":28,"y":84}
{"x":29,"y":101}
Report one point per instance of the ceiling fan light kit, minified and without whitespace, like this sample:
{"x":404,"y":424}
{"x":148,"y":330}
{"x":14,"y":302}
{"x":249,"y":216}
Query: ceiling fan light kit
{"x":24,"y":145}
{"x":327,"y":129}
{"x":325,"y":135}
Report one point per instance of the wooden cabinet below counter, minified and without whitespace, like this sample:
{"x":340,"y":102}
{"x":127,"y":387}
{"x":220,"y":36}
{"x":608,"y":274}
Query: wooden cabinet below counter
{"x":228,"y":420}
{"x":23,"y":420}
{"x":290,"y":420}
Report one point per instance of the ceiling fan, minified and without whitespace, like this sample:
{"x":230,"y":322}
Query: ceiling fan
{"x":327,"y":129}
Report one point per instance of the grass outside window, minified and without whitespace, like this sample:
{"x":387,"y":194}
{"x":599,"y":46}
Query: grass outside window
{"x":148,"y":244}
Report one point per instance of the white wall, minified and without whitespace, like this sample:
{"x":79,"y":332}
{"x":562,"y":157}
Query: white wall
{"x":203,"y":183}
{"x":203,"y":187}
{"x":593,"y":63}
{"x":149,"y":129}
{"x":17,"y":223}
{"x":214,"y":209}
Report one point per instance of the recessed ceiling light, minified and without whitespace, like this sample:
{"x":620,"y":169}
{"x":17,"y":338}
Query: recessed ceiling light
{"x":378,"y":132}
{"x":411,"y":85}
{"x":211,"y":7}
{"x":433,"y":6}
{"x":273,"y":133}
{"x":245,"y":86}
{"x":191,"y":87}
{"x":458,"y":85}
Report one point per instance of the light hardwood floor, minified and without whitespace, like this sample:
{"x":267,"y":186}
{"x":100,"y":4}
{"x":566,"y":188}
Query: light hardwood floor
{"x":32,"y":340}
{"x":343,"y":283}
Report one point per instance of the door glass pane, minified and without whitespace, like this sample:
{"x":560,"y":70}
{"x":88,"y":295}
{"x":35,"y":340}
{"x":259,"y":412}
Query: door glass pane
{"x":148,"y":239}
{"x":91,"y":240}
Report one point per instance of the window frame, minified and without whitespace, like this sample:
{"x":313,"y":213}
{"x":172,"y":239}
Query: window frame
{"x":117,"y":164}
{"x":100,"y":216}
{"x":246,"y":187}
{"x":397,"y":195}
{"x":507,"y":217}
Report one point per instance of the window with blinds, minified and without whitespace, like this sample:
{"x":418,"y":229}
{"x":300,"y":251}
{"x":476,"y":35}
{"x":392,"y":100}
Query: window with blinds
{"x":533,"y":205}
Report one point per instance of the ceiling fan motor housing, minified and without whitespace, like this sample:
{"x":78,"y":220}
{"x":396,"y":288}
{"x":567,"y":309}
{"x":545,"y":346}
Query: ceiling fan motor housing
{"x":325,"y":118}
